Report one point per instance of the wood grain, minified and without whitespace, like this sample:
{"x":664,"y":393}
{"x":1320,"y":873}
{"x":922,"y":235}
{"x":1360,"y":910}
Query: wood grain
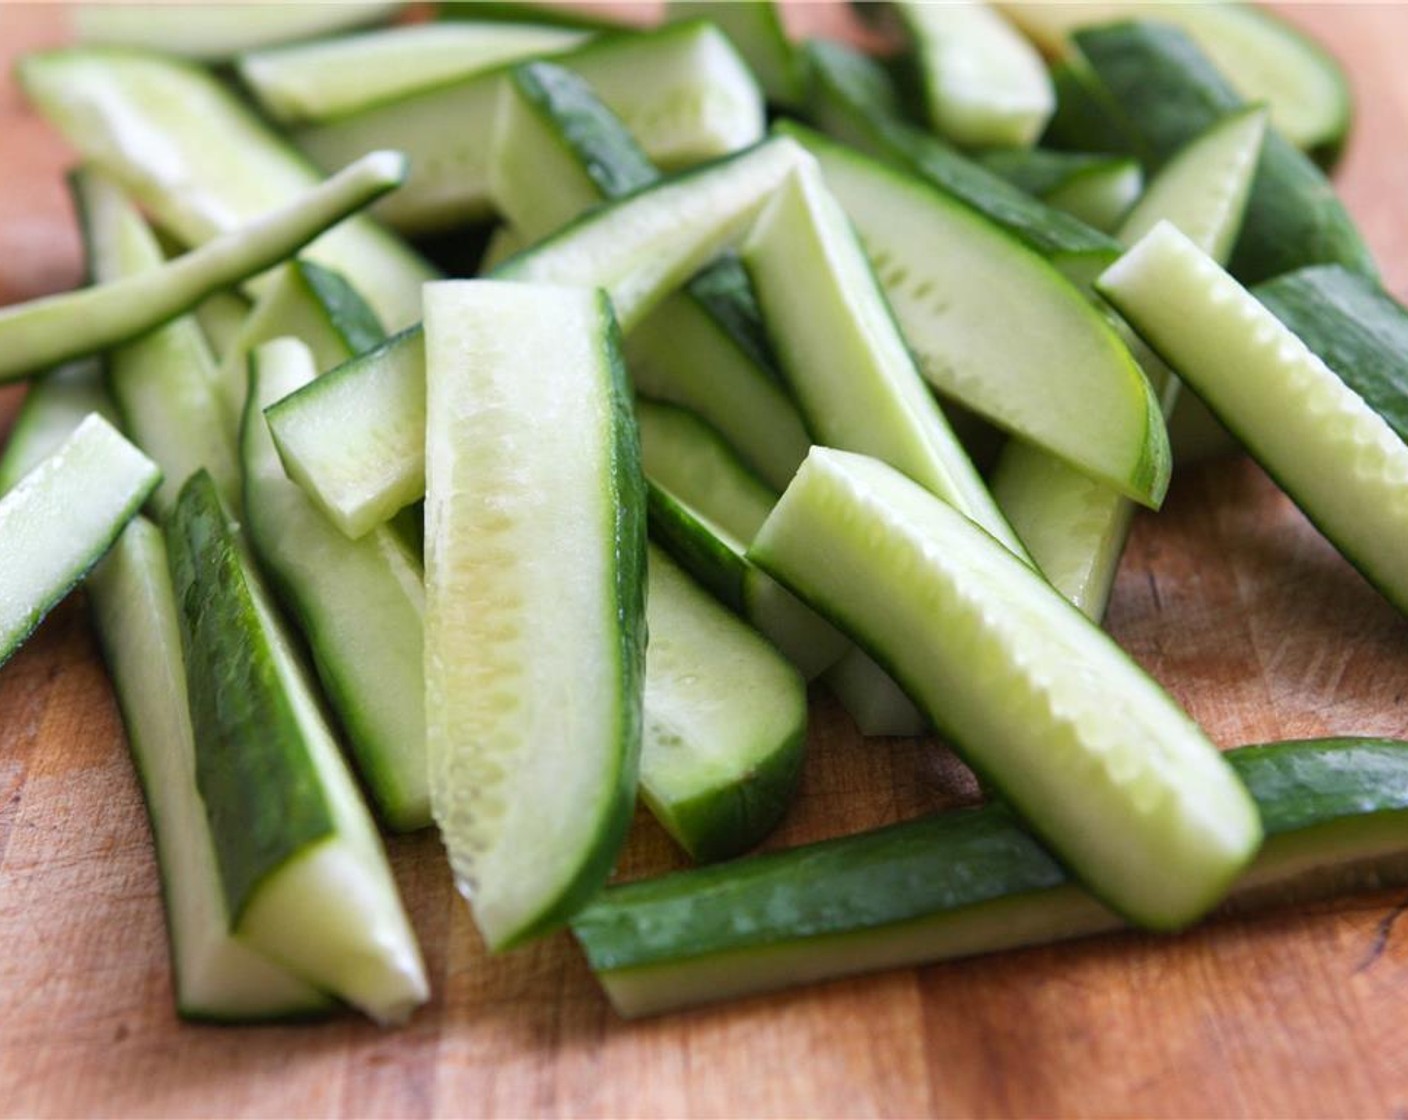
{"x":1227,"y":596}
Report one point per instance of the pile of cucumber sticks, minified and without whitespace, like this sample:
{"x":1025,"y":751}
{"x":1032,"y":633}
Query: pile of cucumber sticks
{"x":784,"y":364}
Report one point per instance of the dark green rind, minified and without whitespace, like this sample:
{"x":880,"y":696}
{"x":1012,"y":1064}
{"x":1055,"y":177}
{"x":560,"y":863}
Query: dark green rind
{"x":956,"y":865}
{"x":1039,"y":171}
{"x":854,"y":100}
{"x":248,"y":741}
{"x":1169,"y":92}
{"x":721,"y":570}
{"x":1354,"y":326}
{"x":627,"y":531}
{"x":349,"y":316}
{"x":1085,"y":119}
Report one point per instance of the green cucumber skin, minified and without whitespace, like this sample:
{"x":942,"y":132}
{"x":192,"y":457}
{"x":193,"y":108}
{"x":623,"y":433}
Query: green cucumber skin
{"x":697,"y":549}
{"x":351,"y":317}
{"x":1040,"y":171}
{"x":247,"y":736}
{"x":1294,"y":218}
{"x":1354,"y":326}
{"x":948,"y":867}
{"x":1085,"y":119}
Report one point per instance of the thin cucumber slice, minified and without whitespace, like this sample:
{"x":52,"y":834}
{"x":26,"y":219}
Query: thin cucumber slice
{"x":756,"y":29}
{"x":1098,"y":759}
{"x":535,"y":637}
{"x":1057,"y":375}
{"x":967,"y":882}
{"x":984,"y":85}
{"x":1169,"y":92}
{"x":1330,"y":451}
{"x":307,"y":302}
{"x":683,"y":455}
{"x":842,"y":352}
{"x":872,"y":698}
{"x":215,"y":976}
{"x":213,"y":32}
{"x":641,"y":247}
{"x":360,"y":604}
{"x":1354,"y":327}
{"x":725,"y":721}
{"x":54,"y":406}
{"x":355,"y":438}
{"x":193,"y":156}
{"x":1076,"y":527}
{"x":46,"y":331}
{"x":559,"y":152}
{"x":1096,"y":189}
{"x":59,"y":519}
{"x":302,"y":870}
{"x":163,"y":382}
{"x":324,"y":80}
{"x":683,"y":92}
{"x":221,"y":317}
{"x":853,"y":99}
{"x":1266,"y":59}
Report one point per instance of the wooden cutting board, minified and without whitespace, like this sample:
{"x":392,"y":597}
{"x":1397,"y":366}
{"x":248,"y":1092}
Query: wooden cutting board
{"x":1228,"y":597}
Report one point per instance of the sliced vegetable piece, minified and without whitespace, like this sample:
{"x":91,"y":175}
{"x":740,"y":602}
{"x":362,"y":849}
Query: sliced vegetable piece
{"x":1098,"y":759}
{"x":53,"y":407}
{"x":221,"y":317}
{"x":302,"y":870}
{"x":967,"y":882}
{"x":1096,"y":189}
{"x":215,"y":976}
{"x":47,"y":331}
{"x":1266,"y":59}
{"x":757,"y":30}
{"x":535,"y":636}
{"x":1169,"y":93}
{"x":552,"y":13}
{"x":192,"y":155}
{"x":984,"y":85}
{"x":947,"y":275}
{"x":59,"y":519}
{"x":872,"y":698}
{"x":360,"y":604}
{"x":1335,"y":457}
{"x":682,"y":91}
{"x":725,"y":721}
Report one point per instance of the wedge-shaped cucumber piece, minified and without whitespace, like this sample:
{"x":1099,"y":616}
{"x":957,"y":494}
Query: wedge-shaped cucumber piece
{"x":682,"y":91}
{"x":872,"y":698}
{"x":1060,"y":377}
{"x":1168,"y":92}
{"x":360,"y":604}
{"x":194,"y":157}
{"x":59,"y":519}
{"x":54,"y":405}
{"x":1100,"y":761}
{"x":854,"y":100}
{"x":1074,"y":526}
{"x":559,"y":152}
{"x":218,"y":31}
{"x":46,"y":331}
{"x":725,"y":721}
{"x":1096,"y":189}
{"x":757,"y":30}
{"x":1266,"y":59}
{"x":215,"y":976}
{"x":535,"y":569}
{"x":967,"y":882}
{"x":984,"y":85}
{"x":330,"y":78}
{"x":304,"y":877}
{"x":1355,"y":327}
{"x":1335,"y":457}
{"x":643,"y":246}
{"x":164,"y":381}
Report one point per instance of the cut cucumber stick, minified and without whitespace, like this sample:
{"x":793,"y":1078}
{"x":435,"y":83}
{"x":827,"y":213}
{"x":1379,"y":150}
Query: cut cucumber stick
{"x":535,"y":557}
{"x":1100,"y":761}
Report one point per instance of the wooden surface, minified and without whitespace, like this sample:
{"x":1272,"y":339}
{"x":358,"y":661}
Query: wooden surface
{"x":1228,"y":597}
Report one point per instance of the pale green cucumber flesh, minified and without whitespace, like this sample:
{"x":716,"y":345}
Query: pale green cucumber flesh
{"x":43,"y":332}
{"x":548,"y":13}
{"x":966,"y":882}
{"x":1329,"y":450}
{"x":1355,"y":327}
{"x":202,"y":164}
{"x":355,"y":438}
{"x":360,"y":604}
{"x":1096,"y":189}
{"x":756,"y":30}
{"x":1100,"y":761}
{"x":1057,"y":375}
{"x":221,"y":317}
{"x":58,"y":520}
{"x":215,"y":976}
{"x":872,"y":699}
{"x":535,"y":639}
{"x":54,"y":406}
{"x":725,"y":721}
